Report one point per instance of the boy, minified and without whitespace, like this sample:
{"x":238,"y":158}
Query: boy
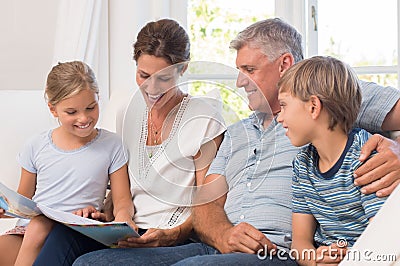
{"x":320,"y":98}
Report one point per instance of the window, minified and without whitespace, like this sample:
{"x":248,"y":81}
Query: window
{"x":363,"y":33}
{"x":211,"y":26}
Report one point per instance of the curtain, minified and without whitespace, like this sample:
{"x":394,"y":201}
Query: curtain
{"x":82,"y":34}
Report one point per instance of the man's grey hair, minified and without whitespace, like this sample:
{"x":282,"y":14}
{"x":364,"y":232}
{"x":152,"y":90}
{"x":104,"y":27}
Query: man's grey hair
{"x":273,"y":36}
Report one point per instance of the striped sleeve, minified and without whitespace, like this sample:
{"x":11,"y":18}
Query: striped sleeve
{"x":298,"y":201}
{"x":371,"y":204}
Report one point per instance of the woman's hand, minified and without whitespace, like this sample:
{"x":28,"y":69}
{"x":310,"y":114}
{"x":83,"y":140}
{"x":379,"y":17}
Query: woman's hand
{"x":153,"y":238}
{"x":92,"y":213}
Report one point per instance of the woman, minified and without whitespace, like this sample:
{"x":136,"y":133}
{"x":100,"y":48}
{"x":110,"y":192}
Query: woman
{"x":166,"y":155}
{"x":164,"y":134}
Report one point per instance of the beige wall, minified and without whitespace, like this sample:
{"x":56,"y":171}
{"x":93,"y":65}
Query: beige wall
{"x":25,"y":50}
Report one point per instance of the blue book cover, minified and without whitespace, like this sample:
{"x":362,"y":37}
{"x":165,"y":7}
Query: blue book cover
{"x":106,"y":233}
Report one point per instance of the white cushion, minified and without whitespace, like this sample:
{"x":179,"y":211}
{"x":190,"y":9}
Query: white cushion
{"x":22,"y":115}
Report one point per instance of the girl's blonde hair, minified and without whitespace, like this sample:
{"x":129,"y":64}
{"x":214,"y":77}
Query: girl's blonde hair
{"x":68,"y":79}
{"x":335,"y":84}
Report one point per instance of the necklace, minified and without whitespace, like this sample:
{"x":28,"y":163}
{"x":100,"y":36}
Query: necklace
{"x":155,"y":135}
{"x":155,"y":132}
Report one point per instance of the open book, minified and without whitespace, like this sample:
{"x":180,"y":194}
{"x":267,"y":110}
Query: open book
{"x":19,"y":206}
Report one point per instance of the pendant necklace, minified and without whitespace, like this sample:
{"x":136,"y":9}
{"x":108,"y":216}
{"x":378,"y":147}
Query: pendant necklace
{"x":153,"y":136}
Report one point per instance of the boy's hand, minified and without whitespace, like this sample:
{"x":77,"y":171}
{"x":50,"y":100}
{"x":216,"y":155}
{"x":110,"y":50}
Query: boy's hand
{"x":331,"y":255}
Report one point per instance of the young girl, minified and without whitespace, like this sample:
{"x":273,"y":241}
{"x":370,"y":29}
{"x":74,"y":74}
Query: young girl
{"x":68,"y":168}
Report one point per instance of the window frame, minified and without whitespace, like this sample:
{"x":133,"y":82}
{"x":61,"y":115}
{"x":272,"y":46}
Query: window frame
{"x":299,"y":13}
{"x":311,"y":38}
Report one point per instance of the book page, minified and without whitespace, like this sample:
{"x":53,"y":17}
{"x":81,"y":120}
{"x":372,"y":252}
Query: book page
{"x":66,"y":217}
{"x":106,"y":233}
{"x":17,"y":205}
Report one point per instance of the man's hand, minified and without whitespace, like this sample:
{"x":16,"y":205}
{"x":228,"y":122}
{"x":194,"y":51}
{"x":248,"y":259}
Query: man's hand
{"x":381,"y":173}
{"x":244,"y":238}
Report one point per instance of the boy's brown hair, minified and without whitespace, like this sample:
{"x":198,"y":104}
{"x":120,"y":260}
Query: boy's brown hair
{"x":332,"y":81}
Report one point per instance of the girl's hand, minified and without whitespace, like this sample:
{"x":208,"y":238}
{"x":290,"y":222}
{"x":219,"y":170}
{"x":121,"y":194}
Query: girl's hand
{"x":128,"y":220}
{"x":2,"y":213}
{"x":91,"y":212}
{"x":133,"y":225}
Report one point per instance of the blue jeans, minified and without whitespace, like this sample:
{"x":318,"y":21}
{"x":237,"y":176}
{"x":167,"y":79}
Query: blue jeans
{"x":63,"y":245}
{"x":189,"y":254}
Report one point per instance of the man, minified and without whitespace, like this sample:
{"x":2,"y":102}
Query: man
{"x":245,"y":220}
{"x":239,"y":225}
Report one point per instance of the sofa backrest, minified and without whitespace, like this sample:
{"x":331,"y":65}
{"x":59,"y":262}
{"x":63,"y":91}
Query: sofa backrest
{"x":22,"y":115}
